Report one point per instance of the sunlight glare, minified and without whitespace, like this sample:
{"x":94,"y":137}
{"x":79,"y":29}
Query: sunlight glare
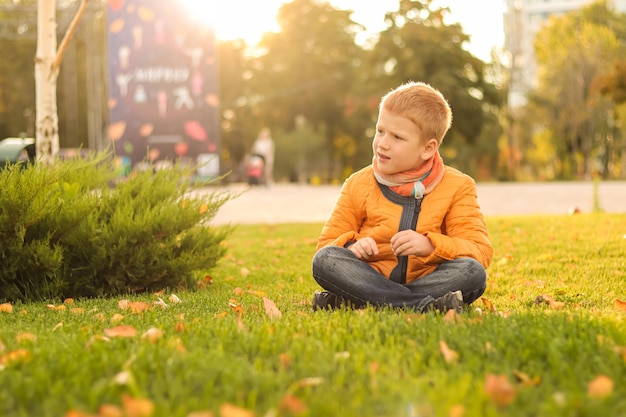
{"x":236,"y":19}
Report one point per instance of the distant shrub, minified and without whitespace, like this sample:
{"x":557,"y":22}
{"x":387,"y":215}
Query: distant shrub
{"x":66,"y":231}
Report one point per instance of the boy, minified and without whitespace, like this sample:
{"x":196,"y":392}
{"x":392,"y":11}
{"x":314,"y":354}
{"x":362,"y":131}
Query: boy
{"x":406,"y":231}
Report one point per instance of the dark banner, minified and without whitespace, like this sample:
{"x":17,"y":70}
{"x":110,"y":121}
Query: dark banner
{"x":163,"y":92}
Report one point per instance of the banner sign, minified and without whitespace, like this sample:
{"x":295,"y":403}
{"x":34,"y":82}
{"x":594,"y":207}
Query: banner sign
{"x":163,"y":89}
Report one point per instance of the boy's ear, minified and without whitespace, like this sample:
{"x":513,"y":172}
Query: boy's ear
{"x":430,"y":149}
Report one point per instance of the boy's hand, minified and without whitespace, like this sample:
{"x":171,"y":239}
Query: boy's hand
{"x":409,"y":242}
{"x":364,"y":248}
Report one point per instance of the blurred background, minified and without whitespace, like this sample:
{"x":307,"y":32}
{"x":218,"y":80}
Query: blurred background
{"x":537,"y":88}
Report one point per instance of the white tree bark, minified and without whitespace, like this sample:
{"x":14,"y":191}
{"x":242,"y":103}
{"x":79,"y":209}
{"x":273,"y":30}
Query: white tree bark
{"x":47,"y":64}
{"x":47,"y":119}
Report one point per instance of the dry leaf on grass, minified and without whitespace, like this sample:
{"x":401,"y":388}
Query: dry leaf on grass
{"x":270,"y":309}
{"x":15,"y":356}
{"x":601,"y":387}
{"x":121,"y":331}
{"x":449,"y":355}
{"x":620,"y":305}
{"x":6,"y":308}
{"x":137,"y":407}
{"x":499,"y":389}
{"x":292,"y":405}
{"x":229,"y":410}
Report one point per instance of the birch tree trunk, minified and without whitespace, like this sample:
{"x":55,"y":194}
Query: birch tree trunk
{"x":47,"y":119}
{"x":47,"y":64}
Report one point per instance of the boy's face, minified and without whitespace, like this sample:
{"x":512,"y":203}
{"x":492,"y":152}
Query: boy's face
{"x":398,"y":145}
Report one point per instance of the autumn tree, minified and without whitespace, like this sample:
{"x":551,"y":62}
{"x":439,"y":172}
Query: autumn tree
{"x":572,"y":51}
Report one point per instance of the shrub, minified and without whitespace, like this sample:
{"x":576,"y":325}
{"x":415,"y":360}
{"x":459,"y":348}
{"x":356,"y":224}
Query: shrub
{"x":66,"y":231}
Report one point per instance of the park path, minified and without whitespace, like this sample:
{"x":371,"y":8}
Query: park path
{"x":295,"y":203}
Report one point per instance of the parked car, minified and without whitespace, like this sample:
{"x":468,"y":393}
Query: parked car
{"x":17,"y":150}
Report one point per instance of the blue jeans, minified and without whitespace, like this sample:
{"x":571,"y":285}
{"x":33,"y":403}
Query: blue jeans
{"x":338,"y":270}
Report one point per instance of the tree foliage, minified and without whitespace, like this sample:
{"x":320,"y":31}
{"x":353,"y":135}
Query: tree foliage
{"x":574,"y":51}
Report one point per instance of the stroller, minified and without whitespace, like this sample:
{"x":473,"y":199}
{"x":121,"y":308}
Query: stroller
{"x":255,"y":167}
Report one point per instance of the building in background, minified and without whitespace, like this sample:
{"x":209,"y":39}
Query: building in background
{"x":163,"y":86}
{"x":522,"y":21}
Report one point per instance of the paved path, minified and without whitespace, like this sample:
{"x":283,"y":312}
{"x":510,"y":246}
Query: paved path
{"x":293,"y":203}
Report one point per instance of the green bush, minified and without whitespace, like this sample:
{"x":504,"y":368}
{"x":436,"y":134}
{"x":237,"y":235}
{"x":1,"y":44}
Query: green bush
{"x":76,"y":230}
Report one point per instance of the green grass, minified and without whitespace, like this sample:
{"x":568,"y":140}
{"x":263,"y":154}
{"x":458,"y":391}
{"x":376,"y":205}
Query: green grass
{"x":221,"y":347}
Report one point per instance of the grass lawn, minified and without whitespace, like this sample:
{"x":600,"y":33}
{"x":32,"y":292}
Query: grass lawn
{"x":547,"y":339}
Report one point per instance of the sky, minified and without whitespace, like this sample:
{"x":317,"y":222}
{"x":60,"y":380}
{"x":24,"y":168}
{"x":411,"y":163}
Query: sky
{"x":249,"y":19}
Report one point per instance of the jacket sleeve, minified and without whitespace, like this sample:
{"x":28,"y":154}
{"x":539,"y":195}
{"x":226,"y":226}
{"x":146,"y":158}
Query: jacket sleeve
{"x":346,"y":218}
{"x":464,"y":232}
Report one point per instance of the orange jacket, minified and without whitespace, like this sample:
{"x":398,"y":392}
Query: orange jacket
{"x":450,"y":217}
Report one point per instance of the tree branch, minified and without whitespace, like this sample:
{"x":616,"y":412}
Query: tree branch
{"x":69,"y":34}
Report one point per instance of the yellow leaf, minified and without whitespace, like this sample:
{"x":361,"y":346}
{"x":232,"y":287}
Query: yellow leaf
{"x":121,"y":331}
{"x":6,"y":308}
{"x":174,"y":299}
{"x":271,"y":310}
{"x":601,"y":387}
{"x":449,"y":355}
{"x":499,"y":389}
{"x":525,"y":379}
{"x":68,"y":301}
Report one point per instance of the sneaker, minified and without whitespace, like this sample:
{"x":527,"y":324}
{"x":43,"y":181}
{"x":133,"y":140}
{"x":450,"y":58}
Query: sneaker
{"x":449,"y":301}
{"x":325,"y":300}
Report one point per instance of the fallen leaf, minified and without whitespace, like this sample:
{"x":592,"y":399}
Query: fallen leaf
{"x":245,"y":272}
{"x":174,"y":299}
{"x":116,"y":318}
{"x":138,"y":307}
{"x":161,"y":303}
{"x":229,"y":410}
{"x":488,"y":304}
{"x":292,"y":404}
{"x":271,"y":310}
{"x":110,"y":410}
{"x":137,"y":407}
{"x":122,"y":378}
{"x":499,"y":389}
{"x":619,"y":306}
{"x":285,"y":360}
{"x":525,"y":380}
{"x":550,"y":301}
{"x":121,"y":331}
{"x":449,"y":355}
{"x":56,"y":308}
{"x":235,"y":306}
{"x":152,"y":334}
{"x":15,"y":356}
{"x":68,"y":301}
{"x":179,"y":327}
{"x":601,"y":387}
{"x":6,"y":308}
